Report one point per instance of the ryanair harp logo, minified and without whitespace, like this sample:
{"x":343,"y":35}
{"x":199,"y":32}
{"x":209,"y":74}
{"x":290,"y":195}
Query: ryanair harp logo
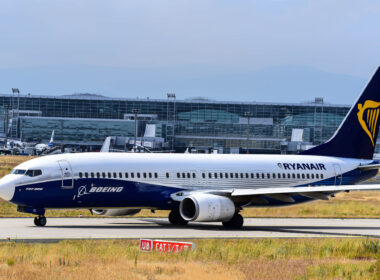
{"x":368,"y":114}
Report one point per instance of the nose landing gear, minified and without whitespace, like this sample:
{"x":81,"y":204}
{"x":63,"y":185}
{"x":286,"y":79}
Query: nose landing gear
{"x":40,"y":221}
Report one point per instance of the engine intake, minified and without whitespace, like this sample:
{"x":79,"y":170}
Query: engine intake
{"x":116,"y":212}
{"x":207,"y":208}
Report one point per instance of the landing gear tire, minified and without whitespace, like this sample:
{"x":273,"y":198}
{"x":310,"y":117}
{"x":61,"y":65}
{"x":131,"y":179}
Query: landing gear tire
{"x":236,"y":222}
{"x":175,"y":218}
{"x":40,"y":221}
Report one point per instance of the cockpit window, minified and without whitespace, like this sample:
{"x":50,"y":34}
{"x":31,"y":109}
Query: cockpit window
{"x":18,"y":171}
{"x":33,"y":173}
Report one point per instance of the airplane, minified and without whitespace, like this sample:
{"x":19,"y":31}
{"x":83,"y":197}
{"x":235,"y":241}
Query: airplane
{"x":42,"y":147}
{"x":202,"y":187}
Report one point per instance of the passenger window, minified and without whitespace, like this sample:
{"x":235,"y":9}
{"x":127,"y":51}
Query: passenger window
{"x":279,"y":175}
{"x":183,"y":175}
{"x":203,"y":175}
{"x":307,"y":176}
{"x":262,"y":175}
{"x":132,"y":175}
{"x":92,"y":175}
{"x":288,"y":175}
{"x":241,"y":175}
{"x":303,"y":176}
{"x":246,"y":175}
{"x":231,"y":175}
{"x":155,"y":175}
{"x":188,"y":175}
{"x":138,"y":174}
{"x":221,"y":175}
{"x":194,"y":175}
{"x":98,"y":174}
{"x":86,"y":174}
{"x":312,"y":176}
{"x":167,"y":174}
{"x":216,"y":175}
{"x":209,"y":175}
{"x":80,"y":174}
{"x":144,"y":174}
{"x":126,"y":174}
{"x":274,"y":176}
{"x":252,"y":176}
{"x":283,"y":175}
{"x":120,"y":175}
{"x":114,"y":175}
{"x":321,"y":176}
{"x":257,"y":176}
{"x":298,"y":176}
{"x":178,"y":175}
{"x":150,"y":175}
{"x":104,"y":175}
{"x":317,"y":176}
{"x":226,"y":175}
{"x":268,"y":175}
{"x":294,"y":176}
{"x":237,"y":175}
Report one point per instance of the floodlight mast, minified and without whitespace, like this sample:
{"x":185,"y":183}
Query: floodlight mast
{"x":171,"y":119}
{"x":248,"y":115}
{"x":135,"y":111}
{"x":14,"y":91}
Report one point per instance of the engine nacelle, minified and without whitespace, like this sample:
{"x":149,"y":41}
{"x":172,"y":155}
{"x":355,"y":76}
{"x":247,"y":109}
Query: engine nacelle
{"x":116,"y":212}
{"x":203,"y":207}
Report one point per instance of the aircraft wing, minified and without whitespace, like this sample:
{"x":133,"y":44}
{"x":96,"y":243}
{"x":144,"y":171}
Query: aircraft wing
{"x":369,"y":167}
{"x":320,"y":192}
{"x":303,"y":190}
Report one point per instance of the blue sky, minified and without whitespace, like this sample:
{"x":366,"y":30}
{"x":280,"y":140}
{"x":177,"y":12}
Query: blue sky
{"x":285,"y":51}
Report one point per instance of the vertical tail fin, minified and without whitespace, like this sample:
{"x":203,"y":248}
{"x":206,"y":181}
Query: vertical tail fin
{"x":357,"y":134}
{"x":51,"y":142}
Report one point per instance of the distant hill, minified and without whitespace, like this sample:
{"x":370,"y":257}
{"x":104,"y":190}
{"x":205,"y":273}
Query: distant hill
{"x":282,"y":84}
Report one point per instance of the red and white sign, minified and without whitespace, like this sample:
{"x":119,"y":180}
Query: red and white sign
{"x":149,"y":245}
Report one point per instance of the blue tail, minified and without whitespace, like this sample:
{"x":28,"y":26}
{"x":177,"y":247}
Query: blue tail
{"x":356,"y":136}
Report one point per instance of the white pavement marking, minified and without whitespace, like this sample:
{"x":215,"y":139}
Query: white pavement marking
{"x":95,"y":228}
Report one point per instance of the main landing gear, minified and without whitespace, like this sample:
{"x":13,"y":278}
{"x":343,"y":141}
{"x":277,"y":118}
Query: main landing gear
{"x":40,"y":221}
{"x":175,"y":218}
{"x":236,"y":222}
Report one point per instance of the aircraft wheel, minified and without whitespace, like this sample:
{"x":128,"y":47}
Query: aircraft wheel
{"x":40,"y":221}
{"x":175,"y":218}
{"x":236,"y":222}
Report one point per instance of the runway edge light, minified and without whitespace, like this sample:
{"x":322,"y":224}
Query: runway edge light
{"x":165,"y":246}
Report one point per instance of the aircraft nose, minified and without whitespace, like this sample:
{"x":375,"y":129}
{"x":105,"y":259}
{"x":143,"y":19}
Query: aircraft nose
{"x":7,"y":187}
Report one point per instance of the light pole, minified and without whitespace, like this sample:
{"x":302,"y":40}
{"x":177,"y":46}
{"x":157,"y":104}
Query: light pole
{"x":171,"y":118}
{"x":14,"y":91}
{"x":248,"y":115}
{"x":135,"y":111}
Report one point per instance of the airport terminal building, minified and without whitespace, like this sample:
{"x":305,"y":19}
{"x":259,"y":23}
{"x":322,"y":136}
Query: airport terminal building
{"x":199,"y":124}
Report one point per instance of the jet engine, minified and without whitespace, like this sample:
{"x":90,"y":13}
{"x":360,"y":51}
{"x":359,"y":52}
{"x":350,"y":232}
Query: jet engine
{"x":203,"y":207}
{"x":116,"y":212}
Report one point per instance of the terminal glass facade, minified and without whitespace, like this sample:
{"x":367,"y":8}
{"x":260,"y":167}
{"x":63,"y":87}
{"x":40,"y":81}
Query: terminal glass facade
{"x":189,"y":123}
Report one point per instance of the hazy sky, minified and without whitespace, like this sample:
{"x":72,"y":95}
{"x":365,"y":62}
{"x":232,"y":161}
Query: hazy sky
{"x":194,"y":48}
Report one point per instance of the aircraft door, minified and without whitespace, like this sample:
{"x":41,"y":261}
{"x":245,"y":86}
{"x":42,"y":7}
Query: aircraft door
{"x":67,"y":174}
{"x":338,"y":174}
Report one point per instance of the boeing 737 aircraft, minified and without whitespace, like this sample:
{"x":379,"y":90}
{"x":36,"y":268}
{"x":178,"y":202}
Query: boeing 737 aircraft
{"x":202,"y":187}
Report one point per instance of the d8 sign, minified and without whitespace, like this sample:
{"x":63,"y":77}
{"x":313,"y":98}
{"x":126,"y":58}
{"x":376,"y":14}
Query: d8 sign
{"x":149,"y":245}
